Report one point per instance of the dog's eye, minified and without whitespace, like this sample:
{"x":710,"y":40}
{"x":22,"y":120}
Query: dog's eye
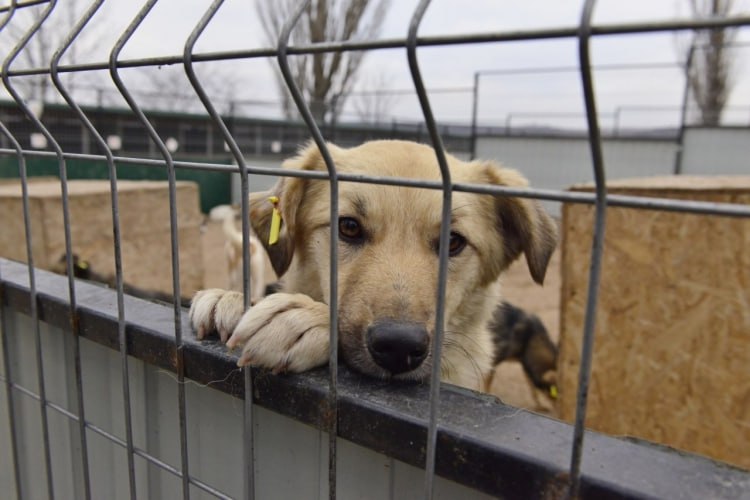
{"x":456,"y":244}
{"x":350,"y":230}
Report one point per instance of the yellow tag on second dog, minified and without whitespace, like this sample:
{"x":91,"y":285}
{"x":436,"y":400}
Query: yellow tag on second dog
{"x":273,"y":235}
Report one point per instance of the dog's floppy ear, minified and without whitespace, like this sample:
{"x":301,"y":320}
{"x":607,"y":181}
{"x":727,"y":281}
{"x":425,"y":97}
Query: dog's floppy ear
{"x":525,"y":226}
{"x":261,"y":213}
{"x":289,"y":191}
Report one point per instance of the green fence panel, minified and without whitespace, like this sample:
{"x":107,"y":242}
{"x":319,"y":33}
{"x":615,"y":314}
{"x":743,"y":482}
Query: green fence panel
{"x":215,"y":187}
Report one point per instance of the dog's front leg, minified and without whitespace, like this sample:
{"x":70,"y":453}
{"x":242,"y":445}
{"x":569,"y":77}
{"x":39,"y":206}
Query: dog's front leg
{"x":282,"y":332}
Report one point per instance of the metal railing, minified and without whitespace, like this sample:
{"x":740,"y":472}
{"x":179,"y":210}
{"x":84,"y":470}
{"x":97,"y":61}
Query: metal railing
{"x":583,"y":33}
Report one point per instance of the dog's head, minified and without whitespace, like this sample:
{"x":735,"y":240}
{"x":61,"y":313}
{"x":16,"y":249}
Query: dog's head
{"x":388,"y":249}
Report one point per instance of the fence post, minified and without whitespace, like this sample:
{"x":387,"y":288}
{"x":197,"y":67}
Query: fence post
{"x":683,"y":113}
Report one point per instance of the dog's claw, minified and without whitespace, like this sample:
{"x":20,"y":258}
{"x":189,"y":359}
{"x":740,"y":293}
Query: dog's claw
{"x":281,"y":333}
{"x":246,"y":358}
{"x":282,"y":367}
{"x":215,"y":310}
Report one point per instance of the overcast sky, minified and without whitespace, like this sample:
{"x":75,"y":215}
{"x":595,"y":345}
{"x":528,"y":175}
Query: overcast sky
{"x":534,"y":98}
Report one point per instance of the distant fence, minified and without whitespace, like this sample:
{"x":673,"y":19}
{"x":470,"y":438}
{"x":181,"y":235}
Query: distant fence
{"x":556,"y":162}
{"x":549,"y":160}
{"x":196,"y":135}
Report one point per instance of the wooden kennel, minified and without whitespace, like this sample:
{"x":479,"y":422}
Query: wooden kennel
{"x":144,"y":221}
{"x":672,"y":346}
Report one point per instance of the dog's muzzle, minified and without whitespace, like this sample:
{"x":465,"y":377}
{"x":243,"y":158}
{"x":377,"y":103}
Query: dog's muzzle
{"x":398,"y":346}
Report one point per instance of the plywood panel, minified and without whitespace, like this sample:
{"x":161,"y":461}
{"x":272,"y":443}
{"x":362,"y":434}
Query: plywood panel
{"x":672,"y":348}
{"x":144,"y":222}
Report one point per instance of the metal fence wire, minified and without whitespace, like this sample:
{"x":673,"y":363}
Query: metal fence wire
{"x":583,"y":32}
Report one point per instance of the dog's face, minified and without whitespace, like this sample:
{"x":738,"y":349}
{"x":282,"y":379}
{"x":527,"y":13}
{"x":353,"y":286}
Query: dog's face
{"x":388,"y":249}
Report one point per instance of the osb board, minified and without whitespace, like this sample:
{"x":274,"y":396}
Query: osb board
{"x":672,"y":347}
{"x":144,"y":223}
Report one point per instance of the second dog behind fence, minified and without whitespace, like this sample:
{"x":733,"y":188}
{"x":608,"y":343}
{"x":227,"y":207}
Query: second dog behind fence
{"x":388,"y":253}
{"x":260,"y":273}
{"x":521,"y":336}
{"x":82,"y":269}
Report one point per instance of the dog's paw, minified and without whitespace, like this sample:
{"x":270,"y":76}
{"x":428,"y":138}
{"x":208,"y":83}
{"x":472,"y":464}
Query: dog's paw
{"x":283,"y":332}
{"x":216,"y":310}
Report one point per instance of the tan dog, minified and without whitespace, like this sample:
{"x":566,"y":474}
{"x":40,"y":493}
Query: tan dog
{"x":388,"y":267}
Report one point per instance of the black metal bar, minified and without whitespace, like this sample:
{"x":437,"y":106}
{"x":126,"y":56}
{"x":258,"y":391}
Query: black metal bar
{"x":54,"y":64}
{"x":14,"y":4}
{"x":600,"y":216}
{"x":66,"y":217}
{"x":501,"y":450}
{"x":614,"y":200}
{"x":171,"y":179}
{"x":429,"y":41}
{"x":9,"y":400}
{"x":247,"y":441}
{"x":122,"y":341}
{"x":683,"y":111}
{"x":304,"y":110}
{"x":231,"y":142}
{"x":447,"y":188}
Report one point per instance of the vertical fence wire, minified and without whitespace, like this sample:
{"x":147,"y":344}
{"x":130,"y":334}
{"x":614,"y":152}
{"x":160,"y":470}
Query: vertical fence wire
{"x":597,"y":157}
{"x":677,"y":169}
{"x":123,"y":339}
{"x":304,"y":110}
{"x":247,"y":442}
{"x":447,"y":189}
{"x":9,"y":401}
{"x":114,"y":201}
{"x":171,"y":178}
{"x":35,"y":27}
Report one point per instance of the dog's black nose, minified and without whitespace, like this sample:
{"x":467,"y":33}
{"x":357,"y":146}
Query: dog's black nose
{"x":397,"y":346}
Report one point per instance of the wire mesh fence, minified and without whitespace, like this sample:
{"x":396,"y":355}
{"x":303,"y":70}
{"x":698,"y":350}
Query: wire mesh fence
{"x":582,"y":33}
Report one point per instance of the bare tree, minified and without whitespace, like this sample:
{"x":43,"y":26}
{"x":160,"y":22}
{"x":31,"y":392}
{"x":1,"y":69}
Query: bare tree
{"x":168,"y":89}
{"x":164,"y":88}
{"x":709,"y":62}
{"x":42,"y":46}
{"x":374,"y":104}
{"x":324,"y":78}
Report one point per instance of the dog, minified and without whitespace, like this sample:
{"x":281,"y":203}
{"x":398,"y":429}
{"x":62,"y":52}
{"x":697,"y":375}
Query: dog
{"x":233,"y":253}
{"x":83,"y":270}
{"x":520,"y":336}
{"x":387,"y":267}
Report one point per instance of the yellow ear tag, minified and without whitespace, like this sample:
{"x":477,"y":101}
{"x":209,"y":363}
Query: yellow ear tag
{"x":273,"y":235}
{"x":553,"y":391}
{"x":83,"y":264}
